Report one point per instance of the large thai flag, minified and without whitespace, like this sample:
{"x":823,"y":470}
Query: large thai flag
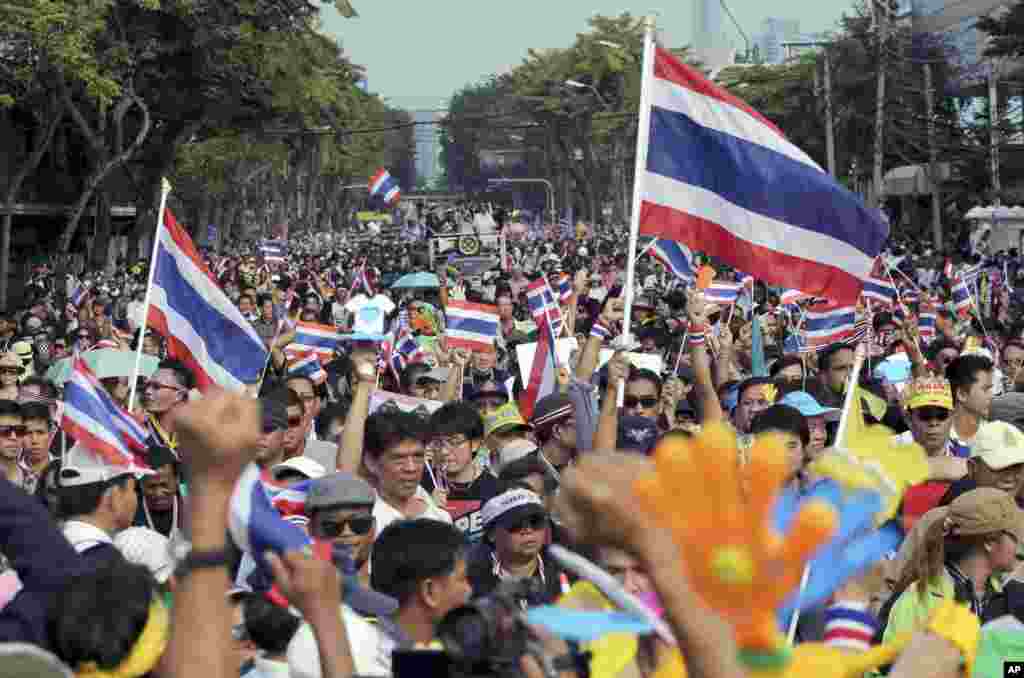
{"x":308,"y":366}
{"x":722,"y":179}
{"x":471,"y":326}
{"x":880,"y":291}
{"x":255,"y":525}
{"x":385,"y":187}
{"x":321,"y":340}
{"x":828,"y":323}
{"x":723,"y":293}
{"x":92,"y":417}
{"x":543,"y":379}
{"x":543,"y":307}
{"x":676,"y":257}
{"x":201,"y":325}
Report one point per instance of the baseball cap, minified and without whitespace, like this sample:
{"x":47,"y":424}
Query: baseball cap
{"x":551,"y":409}
{"x":143,"y":546}
{"x":512,"y":506}
{"x":504,"y":419}
{"x":928,"y":392}
{"x":82,"y":466}
{"x":309,"y":468}
{"x":999,"y":445}
{"x":984,"y":511}
{"x":637,"y":433}
{"x":807,"y":405}
{"x":515,"y":450}
{"x":339,"y":489}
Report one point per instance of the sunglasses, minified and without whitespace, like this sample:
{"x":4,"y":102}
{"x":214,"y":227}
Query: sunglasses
{"x":359,"y":525}
{"x":6,"y":431}
{"x":630,"y":401}
{"x":932,"y":415}
{"x":535,"y":522}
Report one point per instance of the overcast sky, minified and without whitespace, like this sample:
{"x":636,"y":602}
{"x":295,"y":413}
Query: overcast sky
{"x":418,"y":52}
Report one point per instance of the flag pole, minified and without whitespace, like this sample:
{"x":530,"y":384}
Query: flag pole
{"x":165,"y":190}
{"x":642,"y":141}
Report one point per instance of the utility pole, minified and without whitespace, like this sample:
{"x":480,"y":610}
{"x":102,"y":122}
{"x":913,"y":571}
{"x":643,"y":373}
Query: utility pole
{"x":880,"y":10}
{"x":830,"y":143}
{"x":933,"y":156}
{"x":993,"y":118}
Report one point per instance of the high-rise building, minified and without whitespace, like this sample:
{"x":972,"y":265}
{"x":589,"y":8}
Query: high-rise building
{"x":711,"y":44}
{"x":774,"y":32}
{"x":428,"y":146}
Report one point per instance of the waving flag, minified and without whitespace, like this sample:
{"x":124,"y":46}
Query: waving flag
{"x":94,"y":419}
{"x":962,"y":298}
{"x":723,"y":293}
{"x":880,"y":291}
{"x":676,"y":257}
{"x":926,"y":322}
{"x":308,"y":366}
{"x":274,"y":251}
{"x":384,"y":187}
{"x":255,"y":525}
{"x":543,"y":307}
{"x":828,"y":323}
{"x":791,"y":297}
{"x":321,"y":340}
{"x":721,"y":178}
{"x":564,"y":288}
{"x":471,"y":326}
{"x":543,"y":380}
{"x":201,"y":325}
{"x":289,"y":501}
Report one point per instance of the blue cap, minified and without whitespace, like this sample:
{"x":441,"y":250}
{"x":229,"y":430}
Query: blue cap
{"x":806,"y":404}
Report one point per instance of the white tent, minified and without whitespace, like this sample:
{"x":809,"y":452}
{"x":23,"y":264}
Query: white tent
{"x":1006,"y":225}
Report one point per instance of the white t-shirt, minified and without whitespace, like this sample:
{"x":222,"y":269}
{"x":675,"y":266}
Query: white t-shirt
{"x":371,"y":648}
{"x":386,"y":514}
{"x":379,"y":300}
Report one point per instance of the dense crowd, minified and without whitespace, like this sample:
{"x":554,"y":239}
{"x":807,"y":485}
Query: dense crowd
{"x":433,"y":477}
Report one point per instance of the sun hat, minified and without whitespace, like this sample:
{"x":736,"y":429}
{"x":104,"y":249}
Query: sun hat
{"x":999,"y":445}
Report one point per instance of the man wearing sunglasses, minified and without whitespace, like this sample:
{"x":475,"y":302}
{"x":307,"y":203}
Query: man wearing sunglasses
{"x":516,"y":528}
{"x":643,"y":394}
{"x":340,"y":510}
{"x":12,"y":433}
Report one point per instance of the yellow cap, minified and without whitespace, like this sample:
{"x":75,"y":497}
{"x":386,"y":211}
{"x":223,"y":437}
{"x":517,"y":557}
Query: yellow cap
{"x":928,"y":392}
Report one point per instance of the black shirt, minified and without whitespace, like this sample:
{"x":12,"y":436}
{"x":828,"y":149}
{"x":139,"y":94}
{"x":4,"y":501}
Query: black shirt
{"x":465,"y":503}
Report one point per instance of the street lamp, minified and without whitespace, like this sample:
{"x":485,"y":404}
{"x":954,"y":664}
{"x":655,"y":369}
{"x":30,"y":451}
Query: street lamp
{"x":576,"y":84}
{"x":609,"y":43}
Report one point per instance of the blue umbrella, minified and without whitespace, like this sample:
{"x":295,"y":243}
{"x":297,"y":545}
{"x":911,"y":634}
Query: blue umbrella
{"x":417,"y":280}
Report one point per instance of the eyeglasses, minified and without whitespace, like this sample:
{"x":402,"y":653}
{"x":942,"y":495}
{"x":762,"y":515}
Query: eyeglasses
{"x":6,"y":431}
{"x":359,"y":525}
{"x":453,"y":441}
{"x":630,"y":401}
{"x":535,"y":522}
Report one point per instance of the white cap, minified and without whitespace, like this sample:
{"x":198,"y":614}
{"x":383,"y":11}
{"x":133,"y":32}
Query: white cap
{"x":143,"y":546}
{"x":999,"y":445}
{"x":304,"y":465}
{"x":82,"y":466}
{"x":515,"y":450}
{"x":518,"y":500}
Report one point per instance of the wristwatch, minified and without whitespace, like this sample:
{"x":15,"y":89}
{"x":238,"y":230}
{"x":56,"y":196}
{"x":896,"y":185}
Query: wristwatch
{"x":186,"y":559}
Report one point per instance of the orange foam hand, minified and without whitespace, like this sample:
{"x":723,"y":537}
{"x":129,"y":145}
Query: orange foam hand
{"x":720,"y":514}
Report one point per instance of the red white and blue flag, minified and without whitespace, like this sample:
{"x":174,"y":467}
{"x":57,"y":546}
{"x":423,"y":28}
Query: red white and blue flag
{"x":926,"y":321}
{"x":543,"y":307}
{"x":790,"y":297}
{"x":723,"y":293}
{"x":676,"y":257}
{"x":405,"y":351}
{"x":288,"y":500}
{"x":564,"y":288}
{"x":880,"y":291}
{"x":828,"y":323}
{"x":95,"y":420}
{"x":961,"y":297}
{"x":543,"y":372}
{"x":385,"y":187}
{"x":321,"y":340}
{"x":721,"y":178}
{"x":255,"y":524}
{"x":471,"y":326}
{"x":201,"y":325}
{"x":308,"y":366}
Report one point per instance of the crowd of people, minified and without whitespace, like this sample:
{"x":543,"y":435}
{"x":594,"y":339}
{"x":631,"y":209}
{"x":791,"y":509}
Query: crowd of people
{"x":432,"y":480}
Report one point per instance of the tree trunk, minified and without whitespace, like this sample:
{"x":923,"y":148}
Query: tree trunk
{"x":14,"y":188}
{"x":157,"y":164}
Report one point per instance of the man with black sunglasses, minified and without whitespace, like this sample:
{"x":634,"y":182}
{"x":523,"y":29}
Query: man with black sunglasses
{"x":340,"y":510}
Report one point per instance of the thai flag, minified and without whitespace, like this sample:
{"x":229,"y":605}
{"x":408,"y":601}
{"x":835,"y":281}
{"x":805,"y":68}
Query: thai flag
{"x":92,"y":417}
{"x":721,"y":178}
{"x":564,"y":288}
{"x":879,"y":290}
{"x":201,"y":325}
{"x":321,"y":340}
{"x":926,"y":320}
{"x":543,"y":307}
{"x":308,"y":366}
{"x":962,"y":298}
{"x":675,"y":256}
{"x":543,"y":381}
{"x":274,"y":251}
{"x":471,"y":326}
{"x":384,"y":186}
{"x":723,"y":293}
{"x":828,"y":323}
{"x":255,"y":525}
{"x":289,"y":501}
{"x":405,"y":351}
{"x":971,"y":275}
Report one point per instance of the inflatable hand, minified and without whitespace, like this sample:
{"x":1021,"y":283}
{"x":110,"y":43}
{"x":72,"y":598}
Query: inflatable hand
{"x":721,"y":517}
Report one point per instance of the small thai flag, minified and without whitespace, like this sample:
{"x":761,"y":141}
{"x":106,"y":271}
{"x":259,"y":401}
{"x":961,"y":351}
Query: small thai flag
{"x":926,"y":322}
{"x":289,"y":501}
{"x":962,"y":298}
{"x":255,"y":525}
{"x":274,"y":251}
{"x":675,"y":256}
{"x":94,"y":419}
{"x":723,"y":293}
{"x":564,"y":288}
{"x":828,"y":323}
{"x":543,"y":307}
{"x":383,"y":186}
{"x":313,"y":338}
{"x":879,"y":290}
{"x":471,"y":326}
{"x":308,"y":366}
